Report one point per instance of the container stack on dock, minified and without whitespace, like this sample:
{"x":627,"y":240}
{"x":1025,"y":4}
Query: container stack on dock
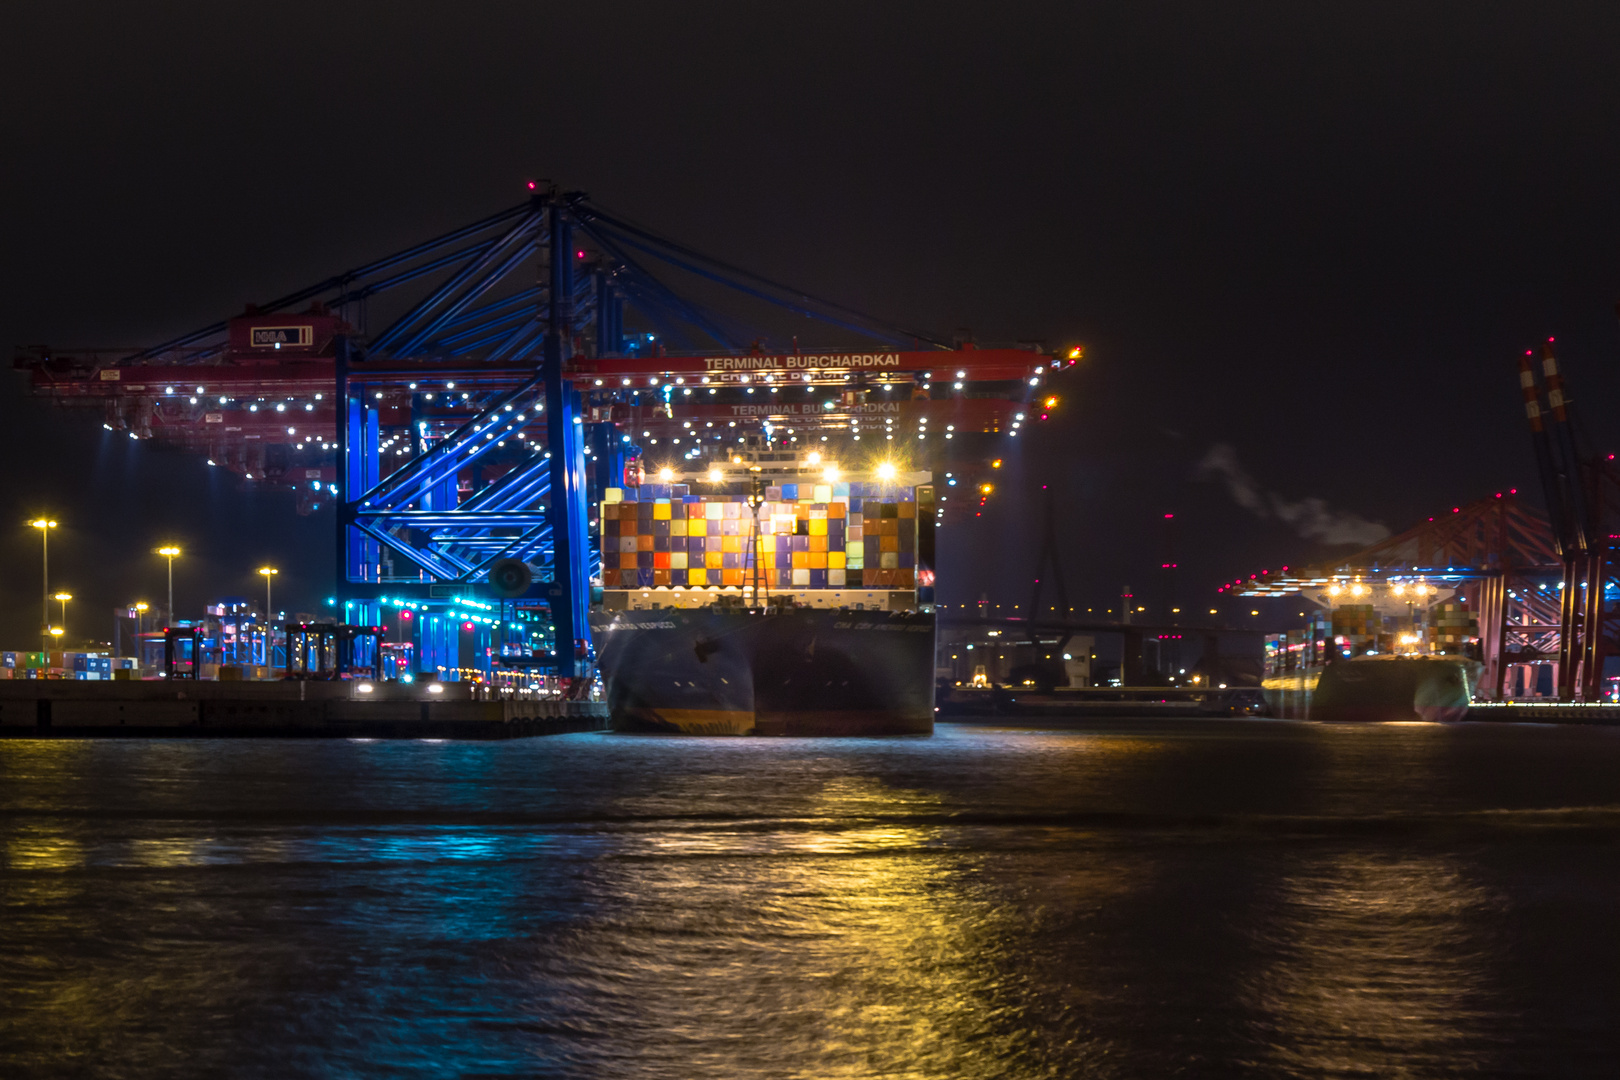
{"x":80,"y":666}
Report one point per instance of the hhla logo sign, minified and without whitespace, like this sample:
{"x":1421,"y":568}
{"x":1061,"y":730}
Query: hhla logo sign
{"x":277,"y":337}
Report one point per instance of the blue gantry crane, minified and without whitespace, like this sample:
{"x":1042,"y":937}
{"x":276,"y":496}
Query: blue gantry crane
{"x":518,"y":366}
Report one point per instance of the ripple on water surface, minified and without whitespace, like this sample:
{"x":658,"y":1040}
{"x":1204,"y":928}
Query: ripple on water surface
{"x":1130,"y":899}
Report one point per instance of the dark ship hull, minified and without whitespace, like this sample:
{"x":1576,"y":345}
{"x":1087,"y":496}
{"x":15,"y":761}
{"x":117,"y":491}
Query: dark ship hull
{"x":1376,"y":689}
{"x":798,"y":671}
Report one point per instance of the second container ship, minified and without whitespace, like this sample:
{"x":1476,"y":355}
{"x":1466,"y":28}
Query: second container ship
{"x":1377,"y":652}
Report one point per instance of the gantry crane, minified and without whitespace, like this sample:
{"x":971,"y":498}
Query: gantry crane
{"x":464,"y":401}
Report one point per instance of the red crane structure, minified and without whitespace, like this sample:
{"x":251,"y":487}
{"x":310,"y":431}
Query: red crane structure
{"x":1542,"y":586}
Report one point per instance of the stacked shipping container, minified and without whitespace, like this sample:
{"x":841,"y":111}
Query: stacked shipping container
{"x":1451,"y":626}
{"x":810,"y":536}
{"x":62,"y":665}
{"x":1357,"y":626}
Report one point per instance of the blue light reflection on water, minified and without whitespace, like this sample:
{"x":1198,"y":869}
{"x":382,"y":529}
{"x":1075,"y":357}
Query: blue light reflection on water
{"x":1131,"y":900}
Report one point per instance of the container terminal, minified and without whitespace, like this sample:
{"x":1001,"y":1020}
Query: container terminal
{"x":534,"y":433}
{"x":555,"y":470}
{"x":1497,"y":609}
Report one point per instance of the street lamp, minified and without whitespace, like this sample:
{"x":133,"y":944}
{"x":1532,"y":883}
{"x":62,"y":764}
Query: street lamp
{"x":141,"y":607}
{"x":169,"y":552}
{"x":269,"y":612}
{"x":45,"y":525}
{"x":64,"y":597}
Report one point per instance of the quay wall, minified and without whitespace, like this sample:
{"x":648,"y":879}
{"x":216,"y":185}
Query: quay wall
{"x":69,"y":709}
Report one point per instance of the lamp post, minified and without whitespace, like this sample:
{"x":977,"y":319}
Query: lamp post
{"x":64,"y":597}
{"x":169,"y":552}
{"x":138,"y":609}
{"x":269,"y":612}
{"x":45,"y":525}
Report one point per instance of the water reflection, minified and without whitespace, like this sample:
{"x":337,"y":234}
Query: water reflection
{"x":825,"y":945}
{"x":1382,"y":968}
{"x":39,"y":845}
{"x":1265,"y":900}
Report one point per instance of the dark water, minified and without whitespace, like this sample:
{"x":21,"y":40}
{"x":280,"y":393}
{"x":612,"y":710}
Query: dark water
{"x":1137,"y":899}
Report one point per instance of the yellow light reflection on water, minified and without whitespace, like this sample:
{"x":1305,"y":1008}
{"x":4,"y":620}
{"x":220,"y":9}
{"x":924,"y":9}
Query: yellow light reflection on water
{"x":167,"y":853}
{"x":43,"y":847}
{"x":850,"y":933}
{"x":1375,"y":966}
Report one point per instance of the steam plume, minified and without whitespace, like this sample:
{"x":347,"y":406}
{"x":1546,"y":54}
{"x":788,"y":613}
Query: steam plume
{"x":1310,"y":517}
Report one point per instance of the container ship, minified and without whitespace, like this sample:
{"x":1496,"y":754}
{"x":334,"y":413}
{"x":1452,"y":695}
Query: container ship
{"x":1390,"y":651}
{"x":777,"y":596}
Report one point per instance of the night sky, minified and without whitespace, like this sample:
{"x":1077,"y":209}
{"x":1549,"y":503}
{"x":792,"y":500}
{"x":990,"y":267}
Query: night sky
{"x":1303,"y":243}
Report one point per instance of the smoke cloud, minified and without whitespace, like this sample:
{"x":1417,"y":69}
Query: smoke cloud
{"x":1311,"y":518}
